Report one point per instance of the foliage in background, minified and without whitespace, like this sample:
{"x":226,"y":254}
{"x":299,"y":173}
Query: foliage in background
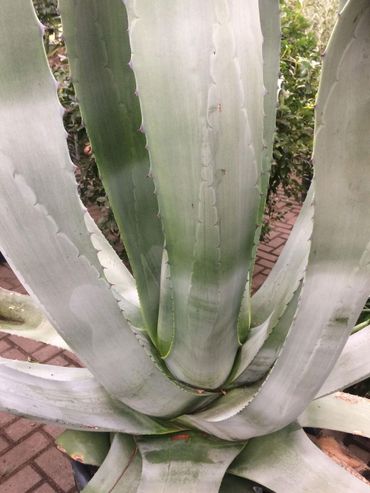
{"x":322,"y":16}
{"x":306,"y":27}
{"x":300,"y":69}
{"x":90,"y":186}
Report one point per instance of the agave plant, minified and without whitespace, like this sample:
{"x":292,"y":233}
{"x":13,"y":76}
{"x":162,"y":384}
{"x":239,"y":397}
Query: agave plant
{"x":190,"y":383}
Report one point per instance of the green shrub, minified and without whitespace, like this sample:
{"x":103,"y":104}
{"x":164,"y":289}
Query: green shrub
{"x":322,"y":15}
{"x":300,"y":68}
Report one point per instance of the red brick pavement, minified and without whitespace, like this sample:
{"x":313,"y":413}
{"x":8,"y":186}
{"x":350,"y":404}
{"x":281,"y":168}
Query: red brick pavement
{"x":29,"y":460}
{"x":269,"y":251}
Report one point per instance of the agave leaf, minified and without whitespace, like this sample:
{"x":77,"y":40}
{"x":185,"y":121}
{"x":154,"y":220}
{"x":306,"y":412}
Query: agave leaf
{"x":87,"y":447}
{"x":117,"y":274}
{"x":245,"y":312}
{"x":340,"y":256}
{"x":274,"y":298}
{"x":20,"y":316}
{"x":91,"y":307}
{"x":184,"y":462}
{"x":211,"y":420}
{"x":236,"y":400}
{"x":269,"y":351}
{"x":256,"y":339}
{"x":166,"y":316}
{"x":205,"y":159}
{"x":60,"y":395}
{"x":59,"y":265}
{"x":99,"y":55}
{"x":353,"y":364}
{"x":339,"y":411}
{"x":285,"y":276}
{"x":121,"y":469}
{"x":288,"y":461}
{"x":28,"y":97}
{"x":276,"y":295}
{"x":270,"y":26}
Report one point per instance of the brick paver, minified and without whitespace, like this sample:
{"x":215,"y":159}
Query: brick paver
{"x":22,"y":481}
{"x":29,"y":460}
{"x":269,"y":251}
